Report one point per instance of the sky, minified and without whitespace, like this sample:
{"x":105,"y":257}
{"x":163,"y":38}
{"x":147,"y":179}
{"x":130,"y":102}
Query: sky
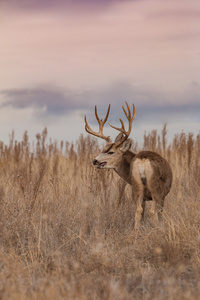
{"x":60,"y":58}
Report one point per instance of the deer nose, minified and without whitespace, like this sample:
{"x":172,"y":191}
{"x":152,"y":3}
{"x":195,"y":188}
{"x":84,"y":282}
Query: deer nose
{"x":94,"y":161}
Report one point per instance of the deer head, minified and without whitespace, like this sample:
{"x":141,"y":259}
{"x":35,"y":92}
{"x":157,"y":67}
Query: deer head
{"x":111,"y":155}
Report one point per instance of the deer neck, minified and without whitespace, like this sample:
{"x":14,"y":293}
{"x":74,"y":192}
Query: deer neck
{"x":123,"y":169}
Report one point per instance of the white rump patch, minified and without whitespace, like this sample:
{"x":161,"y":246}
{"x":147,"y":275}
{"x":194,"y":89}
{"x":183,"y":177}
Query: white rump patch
{"x":142,"y":169}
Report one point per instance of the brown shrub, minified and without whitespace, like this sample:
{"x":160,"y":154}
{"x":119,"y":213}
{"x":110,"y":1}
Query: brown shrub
{"x":66,"y":228}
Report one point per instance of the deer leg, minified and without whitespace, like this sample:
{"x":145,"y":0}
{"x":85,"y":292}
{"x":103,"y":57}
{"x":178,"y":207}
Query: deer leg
{"x":157,"y":208}
{"x":160,"y":209}
{"x":143,"y":207}
{"x":153,"y":213}
{"x":138,"y":196}
{"x":139,"y":210}
{"x":153,"y":208}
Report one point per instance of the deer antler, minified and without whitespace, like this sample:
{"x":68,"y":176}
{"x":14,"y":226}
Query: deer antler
{"x":101,"y":124}
{"x":122,"y":129}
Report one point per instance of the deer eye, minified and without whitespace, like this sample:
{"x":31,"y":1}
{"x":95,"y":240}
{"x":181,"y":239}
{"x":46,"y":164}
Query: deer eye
{"x":110,"y":152}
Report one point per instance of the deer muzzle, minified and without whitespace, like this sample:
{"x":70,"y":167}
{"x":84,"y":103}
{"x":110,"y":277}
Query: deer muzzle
{"x":95,"y":162}
{"x":99,"y":164}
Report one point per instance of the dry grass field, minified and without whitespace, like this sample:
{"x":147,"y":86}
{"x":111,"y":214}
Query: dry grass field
{"x":67,"y":229}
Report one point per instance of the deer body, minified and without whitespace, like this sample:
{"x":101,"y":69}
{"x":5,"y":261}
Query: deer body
{"x":148,"y":173}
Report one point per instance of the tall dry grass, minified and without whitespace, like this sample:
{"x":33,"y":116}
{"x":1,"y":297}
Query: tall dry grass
{"x":67,"y":229}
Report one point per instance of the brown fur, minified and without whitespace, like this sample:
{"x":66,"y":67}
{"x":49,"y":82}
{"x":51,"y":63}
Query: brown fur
{"x":154,"y":187}
{"x":125,"y":166}
{"x":161,"y":180}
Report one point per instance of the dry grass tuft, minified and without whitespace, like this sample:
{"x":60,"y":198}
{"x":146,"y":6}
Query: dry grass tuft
{"x":67,"y":229}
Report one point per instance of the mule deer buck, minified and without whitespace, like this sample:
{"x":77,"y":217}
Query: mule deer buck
{"x":148,"y":173}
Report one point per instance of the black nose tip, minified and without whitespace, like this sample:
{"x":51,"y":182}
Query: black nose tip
{"x":94,"y":162}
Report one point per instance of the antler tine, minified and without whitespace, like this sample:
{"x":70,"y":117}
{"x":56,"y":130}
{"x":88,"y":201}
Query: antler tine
{"x":129,"y":112}
{"x":87,"y":127}
{"x":122,"y":129}
{"x":96,"y":114}
{"x":101,"y":124}
{"x":133,"y":117}
{"x":108,"y":111}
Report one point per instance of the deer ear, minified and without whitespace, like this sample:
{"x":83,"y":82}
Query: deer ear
{"x":126,"y":145}
{"x":119,"y":138}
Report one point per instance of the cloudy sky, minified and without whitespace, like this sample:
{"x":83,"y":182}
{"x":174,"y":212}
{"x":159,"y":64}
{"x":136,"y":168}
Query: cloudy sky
{"x":58,"y":58}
